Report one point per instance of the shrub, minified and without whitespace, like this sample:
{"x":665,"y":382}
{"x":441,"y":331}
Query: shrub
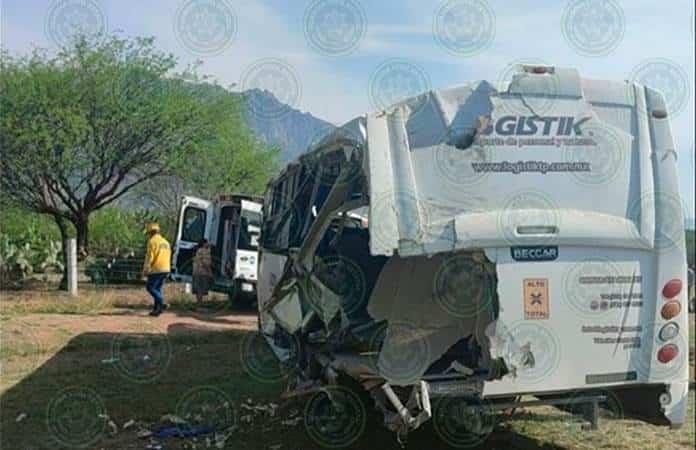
{"x":26,"y":254}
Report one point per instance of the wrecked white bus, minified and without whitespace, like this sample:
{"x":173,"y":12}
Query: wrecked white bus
{"x":480,"y":244}
{"x":231,"y":224}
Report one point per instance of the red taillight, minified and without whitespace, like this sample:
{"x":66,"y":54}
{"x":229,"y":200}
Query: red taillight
{"x":667,"y":353}
{"x":670,"y":309}
{"x":672,"y":288}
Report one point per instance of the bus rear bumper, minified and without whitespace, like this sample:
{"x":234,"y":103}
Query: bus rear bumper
{"x":676,"y":406}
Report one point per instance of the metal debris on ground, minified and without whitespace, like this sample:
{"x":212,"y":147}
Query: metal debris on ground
{"x":172,"y":418}
{"x":113,"y":428}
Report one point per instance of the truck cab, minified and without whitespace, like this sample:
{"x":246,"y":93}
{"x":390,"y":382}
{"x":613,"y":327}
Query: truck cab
{"x":231,"y":224}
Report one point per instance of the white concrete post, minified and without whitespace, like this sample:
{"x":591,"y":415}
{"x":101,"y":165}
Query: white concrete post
{"x":72,"y":266}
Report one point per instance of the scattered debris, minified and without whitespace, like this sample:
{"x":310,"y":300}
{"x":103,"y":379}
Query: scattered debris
{"x":269,"y":409}
{"x":21,"y":417}
{"x":113,"y":428}
{"x":172,"y":418}
{"x":221,"y":438}
{"x":128,"y":424}
{"x":142,"y":434}
{"x":292,"y":422}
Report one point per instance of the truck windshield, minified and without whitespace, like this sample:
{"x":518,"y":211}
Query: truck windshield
{"x":249,"y":231}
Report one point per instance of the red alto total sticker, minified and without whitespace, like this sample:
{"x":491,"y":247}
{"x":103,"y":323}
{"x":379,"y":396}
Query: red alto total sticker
{"x":536,"y":298}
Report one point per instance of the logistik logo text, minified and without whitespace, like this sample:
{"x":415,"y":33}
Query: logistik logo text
{"x":535,"y":125}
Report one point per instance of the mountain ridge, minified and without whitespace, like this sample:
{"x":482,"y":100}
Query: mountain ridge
{"x":290,"y":129}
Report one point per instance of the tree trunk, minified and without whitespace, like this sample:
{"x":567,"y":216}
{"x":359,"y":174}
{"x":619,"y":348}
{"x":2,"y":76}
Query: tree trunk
{"x":63,"y":227}
{"x":82,"y":232}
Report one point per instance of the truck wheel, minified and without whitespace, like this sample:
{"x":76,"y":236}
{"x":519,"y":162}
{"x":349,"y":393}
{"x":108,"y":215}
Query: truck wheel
{"x":239,"y":298}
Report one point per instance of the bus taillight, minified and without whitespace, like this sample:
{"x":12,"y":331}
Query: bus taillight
{"x":670,"y":310}
{"x":672,"y":288}
{"x":667,"y":353}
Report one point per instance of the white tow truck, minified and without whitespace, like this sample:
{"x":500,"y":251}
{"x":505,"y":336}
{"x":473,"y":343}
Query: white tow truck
{"x":231,"y":224}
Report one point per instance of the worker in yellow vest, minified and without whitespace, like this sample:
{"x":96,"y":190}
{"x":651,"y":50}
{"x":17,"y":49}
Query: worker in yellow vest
{"x":157,"y":266}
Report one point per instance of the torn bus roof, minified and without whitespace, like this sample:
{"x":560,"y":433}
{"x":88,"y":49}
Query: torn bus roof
{"x":444,"y":167}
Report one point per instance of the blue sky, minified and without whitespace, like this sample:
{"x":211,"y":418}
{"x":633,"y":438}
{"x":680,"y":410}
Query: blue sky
{"x":336,"y":87}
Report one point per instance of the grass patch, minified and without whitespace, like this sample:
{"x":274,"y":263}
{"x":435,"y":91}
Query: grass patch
{"x":139,"y":373}
{"x":93,"y":299}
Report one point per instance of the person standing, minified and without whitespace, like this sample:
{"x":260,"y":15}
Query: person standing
{"x":202,"y":270}
{"x":157,"y":266}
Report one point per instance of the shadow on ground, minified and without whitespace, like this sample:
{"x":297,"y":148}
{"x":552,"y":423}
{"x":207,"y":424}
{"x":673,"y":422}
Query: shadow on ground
{"x":84,"y":395}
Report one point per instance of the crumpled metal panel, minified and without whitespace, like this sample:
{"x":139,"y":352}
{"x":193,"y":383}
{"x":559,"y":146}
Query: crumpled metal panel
{"x":423,"y":318}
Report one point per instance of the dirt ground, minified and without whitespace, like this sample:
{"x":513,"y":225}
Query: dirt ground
{"x":99,"y":373}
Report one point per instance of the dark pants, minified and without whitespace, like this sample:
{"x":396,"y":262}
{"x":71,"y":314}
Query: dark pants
{"x":155,"y":281}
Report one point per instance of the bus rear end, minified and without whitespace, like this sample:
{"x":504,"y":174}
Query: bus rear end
{"x":570,"y":188}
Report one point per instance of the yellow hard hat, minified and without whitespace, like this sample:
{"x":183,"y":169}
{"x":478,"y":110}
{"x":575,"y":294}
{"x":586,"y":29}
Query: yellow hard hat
{"x":152,"y":227}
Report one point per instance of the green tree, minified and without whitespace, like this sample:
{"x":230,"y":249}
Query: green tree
{"x":236,"y":162}
{"x":81,"y":129}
